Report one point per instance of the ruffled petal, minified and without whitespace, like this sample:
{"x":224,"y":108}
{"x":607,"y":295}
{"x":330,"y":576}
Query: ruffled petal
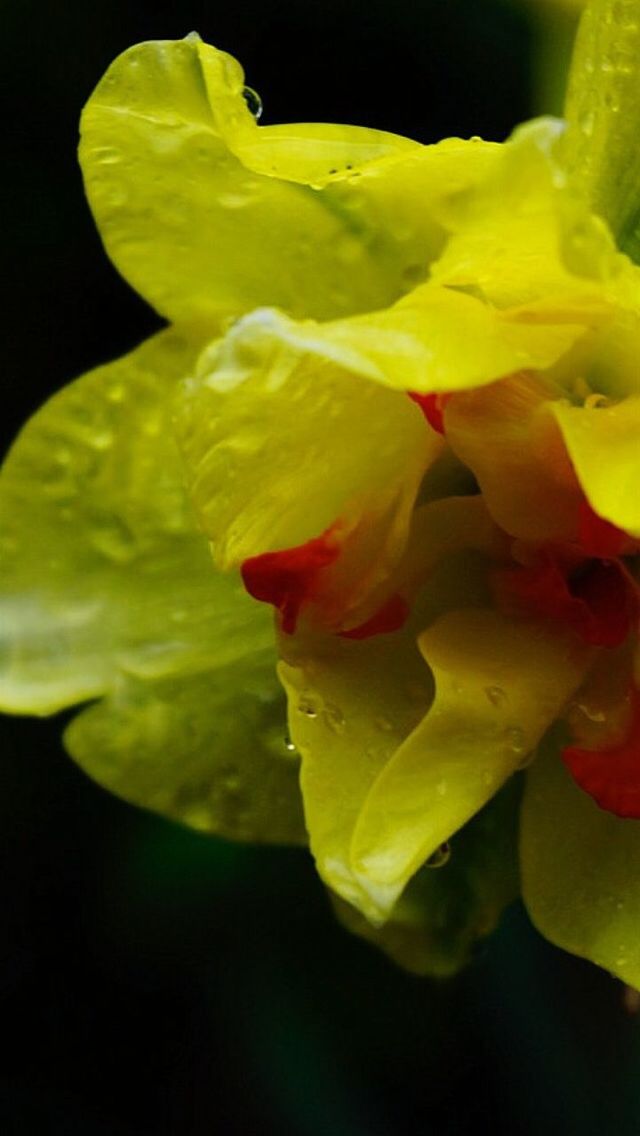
{"x":294,"y":459}
{"x":498,"y":686}
{"x":452,"y":904}
{"x":521,"y":239}
{"x":108,"y":590}
{"x":353,"y":702}
{"x":196,"y":204}
{"x":580,"y":870}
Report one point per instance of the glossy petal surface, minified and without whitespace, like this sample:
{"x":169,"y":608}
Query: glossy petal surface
{"x":603,"y":444}
{"x":108,"y":590}
{"x":281,"y":441}
{"x":196,"y":204}
{"x":580,"y":871}
{"x":352,"y":703}
{"x":498,"y":686}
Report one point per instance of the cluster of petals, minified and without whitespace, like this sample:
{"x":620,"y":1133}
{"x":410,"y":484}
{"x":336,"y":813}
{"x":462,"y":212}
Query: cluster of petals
{"x":382,"y":465}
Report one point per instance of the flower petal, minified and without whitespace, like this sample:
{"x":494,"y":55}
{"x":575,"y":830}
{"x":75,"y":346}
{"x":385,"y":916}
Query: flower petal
{"x":522,"y":240}
{"x":446,"y":909}
{"x":498,"y":686}
{"x":603,"y":445}
{"x":206,"y":749}
{"x":207,"y":214}
{"x":580,"y":870}
{"x":353,"y":702}
{"x":108,"y":589}
{"x":281,"y":441}
{"x":506,"y":435}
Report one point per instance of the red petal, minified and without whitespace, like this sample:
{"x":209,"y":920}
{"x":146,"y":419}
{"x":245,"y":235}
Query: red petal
{"x":290,"y":578}
{"x":611,"y":776}
{"x":597,"y":536}
{"x":390,"y":617}
{"x":432,"y":406}
{"x":598,"y":602}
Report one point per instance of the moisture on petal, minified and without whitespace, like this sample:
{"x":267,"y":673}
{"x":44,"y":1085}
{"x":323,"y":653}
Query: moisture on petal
{"x":208,"y":214}
{"x":108,"y":590}
{"x":498,"y":686}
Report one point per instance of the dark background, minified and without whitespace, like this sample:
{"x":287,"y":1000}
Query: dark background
{"x":154,"y":982}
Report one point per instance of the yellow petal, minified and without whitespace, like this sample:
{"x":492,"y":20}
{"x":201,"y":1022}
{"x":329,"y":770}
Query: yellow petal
{"x":580,"y":870}
{"x":498,"y":686}
{"x":523,"y":241}
{"x":107,"y":589}
{"x":352,"y":704}
{"x":604,"y":445}
{"x":281,"y":440}
{"x":207,"y":214}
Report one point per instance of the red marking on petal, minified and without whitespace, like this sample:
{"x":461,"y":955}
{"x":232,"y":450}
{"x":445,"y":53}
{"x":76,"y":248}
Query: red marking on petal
{"x":599,"y":537}
{"x":290,"y":578}
{"x":598,"y":601}
{"x":432,"y":406}
{"x":611,"y":775}
{"x":390,"y":617}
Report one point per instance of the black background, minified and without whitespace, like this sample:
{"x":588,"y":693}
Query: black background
{"x":154,"y":982}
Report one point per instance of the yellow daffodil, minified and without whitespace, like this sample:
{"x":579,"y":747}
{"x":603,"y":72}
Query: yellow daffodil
{"x":399,"y":406}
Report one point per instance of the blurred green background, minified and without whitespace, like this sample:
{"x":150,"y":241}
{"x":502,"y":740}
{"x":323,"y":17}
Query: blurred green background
{"x":154,"y":982}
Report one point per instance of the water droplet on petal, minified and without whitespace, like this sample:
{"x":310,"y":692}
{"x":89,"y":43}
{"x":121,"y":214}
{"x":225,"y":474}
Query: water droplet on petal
{"x":496,"y":695}
{"x":289,"y":745}
{"x":440,"y":857}
{"x":307,"y":707}
{"x":253,"y":101}
{"x":383,"y":724}
{"x":514,"y":738}
{"x":596,"y":402}
{"x":230,"y":778}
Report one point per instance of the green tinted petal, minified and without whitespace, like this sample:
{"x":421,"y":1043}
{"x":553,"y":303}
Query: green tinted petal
{"x":97,"y":534}
{"x":604,"y":446}
{"x":206,"y":213}
{"x":498,"y":686}
{"x":445,"y":910}
{"x":281,"y":440}
{"x":580,"y":870}
{"x":206,"y":749}
{"x":107,"y":588}
{"x":603,"y":113}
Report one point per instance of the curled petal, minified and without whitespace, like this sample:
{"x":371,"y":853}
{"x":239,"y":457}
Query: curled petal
{"x":196,"y":203}
{"x":498,"y":686}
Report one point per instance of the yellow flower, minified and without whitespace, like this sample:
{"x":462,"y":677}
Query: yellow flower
{"x":399,"y":399}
